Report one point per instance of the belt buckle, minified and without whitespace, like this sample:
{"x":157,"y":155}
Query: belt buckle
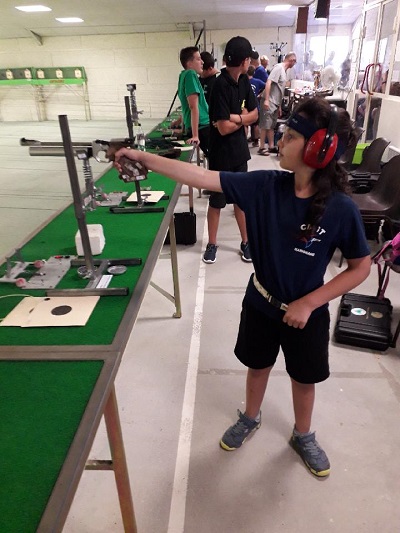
{"x":273,"y":301}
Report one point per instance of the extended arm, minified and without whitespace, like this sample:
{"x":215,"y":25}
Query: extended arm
{"x":300,"y":310}
{"x":192,"y":175}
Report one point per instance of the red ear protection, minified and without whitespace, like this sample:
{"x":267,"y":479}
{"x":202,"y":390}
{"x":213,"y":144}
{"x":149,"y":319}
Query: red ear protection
{"x":322,"y":144}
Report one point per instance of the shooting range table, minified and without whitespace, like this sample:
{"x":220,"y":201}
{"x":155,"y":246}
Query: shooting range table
{"x":57,"y":383}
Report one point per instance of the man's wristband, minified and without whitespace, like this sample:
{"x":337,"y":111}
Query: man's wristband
{"x":241,"y":120}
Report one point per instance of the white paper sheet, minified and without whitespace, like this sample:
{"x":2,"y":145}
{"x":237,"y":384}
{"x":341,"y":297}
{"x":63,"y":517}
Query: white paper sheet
{"x":149,"y":197}
{"x":19,"y":314}
{"x":51,"y":311}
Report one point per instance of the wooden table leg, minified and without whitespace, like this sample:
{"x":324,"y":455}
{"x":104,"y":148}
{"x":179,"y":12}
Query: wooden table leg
{"x":120,"y":468}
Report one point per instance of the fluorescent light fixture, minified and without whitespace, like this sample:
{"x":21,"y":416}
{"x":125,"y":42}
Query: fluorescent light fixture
{"x":282,"y":7}
{"x":69,"y":19}
{"x":32,"y":9}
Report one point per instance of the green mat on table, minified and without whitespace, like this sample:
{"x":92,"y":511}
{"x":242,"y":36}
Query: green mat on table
{"x":41,"y":406}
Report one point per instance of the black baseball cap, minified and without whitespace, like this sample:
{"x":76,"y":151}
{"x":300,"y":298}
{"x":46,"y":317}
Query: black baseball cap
{"x":237,"y":50}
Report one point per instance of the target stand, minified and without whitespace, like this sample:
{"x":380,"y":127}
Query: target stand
{"x":87,"y":267}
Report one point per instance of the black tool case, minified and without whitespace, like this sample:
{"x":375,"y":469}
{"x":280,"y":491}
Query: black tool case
{"x":364,"y":321}
{"x":185,"y":225}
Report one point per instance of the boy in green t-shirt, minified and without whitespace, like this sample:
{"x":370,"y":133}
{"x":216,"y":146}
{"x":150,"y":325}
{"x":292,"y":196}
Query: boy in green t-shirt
{"x":191,"y":95}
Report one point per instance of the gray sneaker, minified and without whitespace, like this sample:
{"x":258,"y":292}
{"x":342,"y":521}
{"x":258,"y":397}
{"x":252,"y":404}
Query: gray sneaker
{"x":235,"y":436}
{"x":312,"y":454}
{"x":210,"y":255}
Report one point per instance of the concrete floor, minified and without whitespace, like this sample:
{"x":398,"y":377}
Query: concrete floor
{"x":179,"y":386}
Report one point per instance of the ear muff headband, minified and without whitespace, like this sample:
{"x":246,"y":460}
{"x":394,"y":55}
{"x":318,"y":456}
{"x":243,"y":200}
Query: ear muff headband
{"x":322,"y":143}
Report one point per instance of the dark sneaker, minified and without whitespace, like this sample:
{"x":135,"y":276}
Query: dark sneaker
{"x":210,"y":255}
{"x":312,"y":454}
{"x":273,"y":150}
{"x":245,"y":252}
{"x":235,"y":436}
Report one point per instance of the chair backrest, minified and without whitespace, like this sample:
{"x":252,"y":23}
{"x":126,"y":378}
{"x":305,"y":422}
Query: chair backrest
{"x":387,"y":188}
{"x":347,"y":158}
{"x":372,"y":155}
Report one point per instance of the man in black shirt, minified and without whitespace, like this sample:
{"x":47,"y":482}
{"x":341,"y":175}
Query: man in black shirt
{"x":232,"y":106}
{"x":209,"y":74}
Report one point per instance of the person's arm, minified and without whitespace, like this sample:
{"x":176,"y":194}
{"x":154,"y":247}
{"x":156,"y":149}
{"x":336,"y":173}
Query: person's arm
{"x":177,"y":123}
{"x":193,"y":102}
{"x":236,"y":121}
{"x":225,"y":127}
{"x":192,"y":175}
{"x":299,"y":311}
{"x":245,"y":118}
{"x":266,"y":93}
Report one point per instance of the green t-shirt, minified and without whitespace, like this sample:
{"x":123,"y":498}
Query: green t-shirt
{"x":189,"y":84}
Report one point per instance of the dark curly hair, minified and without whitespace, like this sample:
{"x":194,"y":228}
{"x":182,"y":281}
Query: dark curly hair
{"x":333,"y":177}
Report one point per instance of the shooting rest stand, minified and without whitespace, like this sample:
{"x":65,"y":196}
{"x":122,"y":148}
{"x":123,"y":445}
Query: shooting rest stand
{"x":93,"y":196}
{"x":93,"y":274}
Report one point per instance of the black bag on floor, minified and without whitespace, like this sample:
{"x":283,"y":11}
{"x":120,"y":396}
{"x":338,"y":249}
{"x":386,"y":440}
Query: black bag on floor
{"x":185,"y":228}
{"x":364,"y":321}
{"x":185,"y":225}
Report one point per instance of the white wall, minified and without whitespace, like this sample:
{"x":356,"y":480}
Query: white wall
{"x":151,"y":60}
{"x":111,"y":61}
{"x":259,"y":38}
{"x":389,"y":121}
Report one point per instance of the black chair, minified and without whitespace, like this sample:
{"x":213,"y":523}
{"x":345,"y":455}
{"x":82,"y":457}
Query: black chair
{"x":383,"y":201}
{"x":365,"y":176}
{"x":346,"y":159}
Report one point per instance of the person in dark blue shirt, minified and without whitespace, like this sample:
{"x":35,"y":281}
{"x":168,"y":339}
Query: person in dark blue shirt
{"x":260,"y":72}
{"x":295,"y":219}
{"x":258,"y":86}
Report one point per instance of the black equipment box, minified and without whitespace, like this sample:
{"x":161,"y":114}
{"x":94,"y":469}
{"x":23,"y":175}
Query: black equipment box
{"x":185,"y":225}
{"x":185,"y":228}
{"x":364,"y":321}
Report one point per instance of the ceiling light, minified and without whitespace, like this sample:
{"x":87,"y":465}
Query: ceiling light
{"x":283,"y":7}
{"x":32,"y":9}
{"x":70,"y":19}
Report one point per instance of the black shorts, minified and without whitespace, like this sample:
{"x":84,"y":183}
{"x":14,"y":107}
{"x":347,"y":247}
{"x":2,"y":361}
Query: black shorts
{"x":204,"y":138}
{"x":217,"y":199}
{"x":306,"y":350}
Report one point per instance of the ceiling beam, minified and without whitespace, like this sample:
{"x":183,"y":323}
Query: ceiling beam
{"x":38,"y":38}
